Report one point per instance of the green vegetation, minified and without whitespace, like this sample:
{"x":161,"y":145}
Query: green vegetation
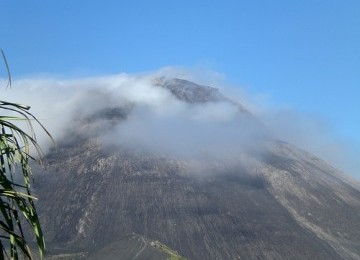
{"x":16,"y":200}
{"x":173,"y":255}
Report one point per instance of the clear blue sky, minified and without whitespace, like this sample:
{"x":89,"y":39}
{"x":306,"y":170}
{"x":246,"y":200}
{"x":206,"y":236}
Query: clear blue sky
{"x":302,"y":53}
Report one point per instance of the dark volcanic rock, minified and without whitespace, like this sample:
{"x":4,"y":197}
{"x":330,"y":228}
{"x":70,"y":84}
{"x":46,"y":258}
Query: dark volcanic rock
{"x":283,"y":204}
{"x":193,"y":93}
{"x":189,"y":91}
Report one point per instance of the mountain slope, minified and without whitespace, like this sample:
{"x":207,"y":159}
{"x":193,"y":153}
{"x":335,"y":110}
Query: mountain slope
{"x":317,"y":196}
{"x":273,"y":201}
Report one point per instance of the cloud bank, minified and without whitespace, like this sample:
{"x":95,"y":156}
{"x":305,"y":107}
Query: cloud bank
{"x":133,"y":112}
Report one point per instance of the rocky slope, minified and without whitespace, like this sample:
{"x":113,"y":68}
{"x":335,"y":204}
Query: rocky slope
{"x":274,"y":202}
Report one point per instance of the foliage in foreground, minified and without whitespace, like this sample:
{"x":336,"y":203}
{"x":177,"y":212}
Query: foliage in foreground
{"x":16,"y":201}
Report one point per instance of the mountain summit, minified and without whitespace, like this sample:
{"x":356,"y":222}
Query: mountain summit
{"x":211,"y":195}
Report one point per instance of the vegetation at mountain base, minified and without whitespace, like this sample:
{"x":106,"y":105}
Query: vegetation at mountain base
{"x":173,"y":255}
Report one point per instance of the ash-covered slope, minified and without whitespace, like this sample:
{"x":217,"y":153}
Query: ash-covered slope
{"x":320,"y":198}
{"x":272,"y":201}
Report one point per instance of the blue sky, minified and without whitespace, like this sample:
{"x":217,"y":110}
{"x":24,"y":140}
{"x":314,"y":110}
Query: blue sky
{"x":304,"y":54}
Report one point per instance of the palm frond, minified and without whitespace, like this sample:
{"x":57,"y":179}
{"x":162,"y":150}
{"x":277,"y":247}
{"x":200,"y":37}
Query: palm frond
{"x":17,"y":205}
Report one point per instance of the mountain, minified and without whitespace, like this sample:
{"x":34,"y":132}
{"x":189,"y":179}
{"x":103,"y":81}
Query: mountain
{"x":267,"y":200}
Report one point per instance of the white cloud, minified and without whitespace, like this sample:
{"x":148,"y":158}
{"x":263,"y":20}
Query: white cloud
{"x":159,"y":122}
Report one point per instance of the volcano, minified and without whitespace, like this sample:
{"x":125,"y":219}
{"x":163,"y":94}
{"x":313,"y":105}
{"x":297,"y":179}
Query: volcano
{"x":103,"y":199}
